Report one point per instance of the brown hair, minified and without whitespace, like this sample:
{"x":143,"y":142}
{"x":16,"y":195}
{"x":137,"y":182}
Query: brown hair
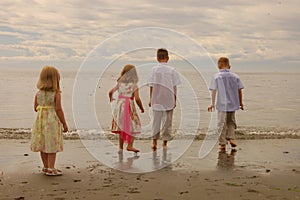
{"x":223,"y":61}
{"x":49,"y":79}
{"x":128,"y":74}
{"x":162,"y":54}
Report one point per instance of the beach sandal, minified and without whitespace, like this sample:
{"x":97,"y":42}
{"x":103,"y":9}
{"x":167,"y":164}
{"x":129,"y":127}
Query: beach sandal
{"x":53,"y":172}
{"x":44,"y":170}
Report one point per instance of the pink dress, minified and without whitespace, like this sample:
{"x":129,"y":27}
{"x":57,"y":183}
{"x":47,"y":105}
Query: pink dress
{"x":125,"y":118}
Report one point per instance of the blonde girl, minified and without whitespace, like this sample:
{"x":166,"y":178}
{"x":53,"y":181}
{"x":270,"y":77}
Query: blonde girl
{"x":50,"y":122}
{"x":126,"y":121}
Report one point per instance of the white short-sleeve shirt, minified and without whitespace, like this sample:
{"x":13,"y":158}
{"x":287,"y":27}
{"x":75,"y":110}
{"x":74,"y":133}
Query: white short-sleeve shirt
{"x":163,"y":78}
{"x":227,"y":85}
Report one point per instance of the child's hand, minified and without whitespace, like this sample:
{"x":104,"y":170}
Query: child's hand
{"x":149,"y":103}
{"x":111,"y":99}
{"x":242,"y":106}
{"x":211,"y":108}
{"x":65,"y":128}
{"x":142,"y":110}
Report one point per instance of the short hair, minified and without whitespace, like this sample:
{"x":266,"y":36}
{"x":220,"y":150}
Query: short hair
{"x":162,"y":54}
{"x":49,"y":79}
{"x":224,"y":61}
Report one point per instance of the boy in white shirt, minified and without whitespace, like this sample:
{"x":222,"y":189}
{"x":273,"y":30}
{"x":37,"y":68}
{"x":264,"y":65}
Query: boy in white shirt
{"x":227,"y":86}
{"x":163,"y":83}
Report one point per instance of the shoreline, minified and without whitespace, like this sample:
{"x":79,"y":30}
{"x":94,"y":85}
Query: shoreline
{"x":242,"y":133}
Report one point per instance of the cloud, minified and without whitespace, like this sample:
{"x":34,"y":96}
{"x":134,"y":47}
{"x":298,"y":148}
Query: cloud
{"x":60,"y":30}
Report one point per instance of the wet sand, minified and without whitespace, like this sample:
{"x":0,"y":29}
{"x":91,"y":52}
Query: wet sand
{"x":260,"y":169}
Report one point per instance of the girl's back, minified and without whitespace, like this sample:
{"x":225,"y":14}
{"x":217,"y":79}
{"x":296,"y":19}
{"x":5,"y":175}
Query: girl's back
{"x":46,"y":98}
{"x":126,"y":89}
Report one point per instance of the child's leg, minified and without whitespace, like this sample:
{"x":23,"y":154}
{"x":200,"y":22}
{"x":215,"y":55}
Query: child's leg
{"x":157,"y":116}
{"x":121,"y":142}
{"x":154,"y":144}
{"x":231,"y":126}
{"x":44,"y":157}
{"x":221,"y":129}
{"x":51,"y":163}
{"x":167,"y":127}
{"x":51,"y":160}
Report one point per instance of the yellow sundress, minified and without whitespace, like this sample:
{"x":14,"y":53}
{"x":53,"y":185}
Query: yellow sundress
{"x":46,"y":133}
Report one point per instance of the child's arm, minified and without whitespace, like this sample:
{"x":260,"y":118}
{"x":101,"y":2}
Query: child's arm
{"x":151,"y":89}
{"x":175,"y":94}
{"x":111,"y":92}
{"x":35,"y":104}
{"x":138,"y":99}
{"x":241,"y":99}
{"x":59,"y":111}
{"x":213,"y":100}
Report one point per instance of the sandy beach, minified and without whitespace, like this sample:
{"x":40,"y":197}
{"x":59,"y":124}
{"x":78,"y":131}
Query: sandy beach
{"x":260,"y":169}
{"x":265,"y":166}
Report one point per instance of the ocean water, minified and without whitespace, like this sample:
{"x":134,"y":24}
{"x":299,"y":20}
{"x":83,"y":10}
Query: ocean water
{"x":271,"y":99}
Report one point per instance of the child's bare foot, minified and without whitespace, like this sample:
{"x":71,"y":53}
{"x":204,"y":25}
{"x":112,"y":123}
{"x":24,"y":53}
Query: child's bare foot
{"x":222,"y":147}
{"x":164,"y":145}
{"x":232,"y":143}
{"x":154,"y":145}
{"x":133,"y":149}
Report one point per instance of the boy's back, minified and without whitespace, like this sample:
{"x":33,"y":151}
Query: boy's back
{"x":163,"y":79}
{"x":227,"y":85}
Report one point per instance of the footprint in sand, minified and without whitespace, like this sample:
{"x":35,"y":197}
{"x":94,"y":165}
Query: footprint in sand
{"x":19,"y":198}
{"x":133,"y":190}
{"x":252,"y":190}
{"x":184,"y":192}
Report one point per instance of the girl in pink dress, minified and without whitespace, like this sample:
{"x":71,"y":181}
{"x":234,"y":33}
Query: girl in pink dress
{"x":126,"y":121}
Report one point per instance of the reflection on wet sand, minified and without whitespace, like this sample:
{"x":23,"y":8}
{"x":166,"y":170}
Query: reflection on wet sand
{"x":166,"y":159}
{"x":226,"y":160}
{"x":126,"y":162}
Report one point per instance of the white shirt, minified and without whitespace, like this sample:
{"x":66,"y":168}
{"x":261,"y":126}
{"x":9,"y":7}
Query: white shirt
{"x":163,"y":78}
{"x":227,"y":85}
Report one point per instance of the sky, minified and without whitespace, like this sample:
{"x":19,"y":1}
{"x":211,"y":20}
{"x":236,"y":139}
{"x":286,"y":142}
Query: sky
{"x":255,"y":35}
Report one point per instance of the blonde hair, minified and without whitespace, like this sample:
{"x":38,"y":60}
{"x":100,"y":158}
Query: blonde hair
{"x":223,"y":61}
{"x":49,"y":79}
{"x":128,"y":74}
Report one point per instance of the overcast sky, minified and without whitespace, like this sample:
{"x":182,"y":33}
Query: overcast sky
{"x":263,"y":34}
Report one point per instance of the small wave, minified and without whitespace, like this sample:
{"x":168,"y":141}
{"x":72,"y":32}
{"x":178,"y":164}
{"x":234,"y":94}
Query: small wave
{"x":242,"y":133}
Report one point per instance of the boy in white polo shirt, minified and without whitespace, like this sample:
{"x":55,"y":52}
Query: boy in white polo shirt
{"x":163,"y":83}
{"x":228,"y":88}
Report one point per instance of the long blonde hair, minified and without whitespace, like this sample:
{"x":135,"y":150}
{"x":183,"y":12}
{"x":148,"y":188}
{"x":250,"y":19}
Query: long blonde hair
{"x":49,"y":79}
{"x":128,"y":74}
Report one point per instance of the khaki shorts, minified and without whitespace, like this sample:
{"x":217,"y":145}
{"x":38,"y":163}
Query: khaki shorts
{"x":162,"y":124}
{"x":226,"y":126}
